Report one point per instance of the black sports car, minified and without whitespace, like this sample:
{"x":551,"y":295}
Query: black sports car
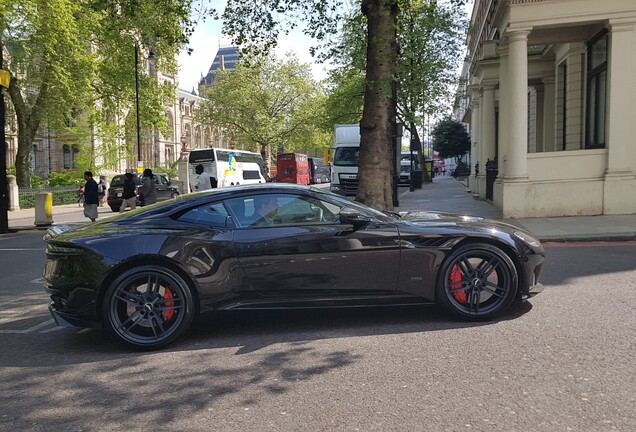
{"x":144,"y":275}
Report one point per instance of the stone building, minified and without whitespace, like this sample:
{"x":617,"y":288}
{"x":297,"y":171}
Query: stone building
{"x":549,"y":96}
{"x":55,"y":153}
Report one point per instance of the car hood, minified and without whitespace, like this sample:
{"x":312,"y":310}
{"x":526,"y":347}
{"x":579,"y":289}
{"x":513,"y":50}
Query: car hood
{"x":431,"y":218}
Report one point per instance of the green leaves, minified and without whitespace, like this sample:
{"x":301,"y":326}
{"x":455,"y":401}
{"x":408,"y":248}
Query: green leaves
{"x":78,"y":55}
{"x":265,"y":102}
{"x":450,"y":139}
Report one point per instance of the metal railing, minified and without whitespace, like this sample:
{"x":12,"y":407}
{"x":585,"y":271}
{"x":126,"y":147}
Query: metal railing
{"x":61,"y":195}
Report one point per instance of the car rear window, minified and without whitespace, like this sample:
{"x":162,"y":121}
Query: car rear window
{"x":117,"y":181}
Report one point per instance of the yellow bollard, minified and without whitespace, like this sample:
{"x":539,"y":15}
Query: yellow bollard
{"x":43,"y":209}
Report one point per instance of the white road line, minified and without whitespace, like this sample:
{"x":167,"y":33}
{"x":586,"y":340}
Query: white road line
{"x":52,"y":329}
{"x":30,"y":329}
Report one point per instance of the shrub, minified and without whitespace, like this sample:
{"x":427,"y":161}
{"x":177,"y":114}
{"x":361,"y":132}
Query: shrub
{"x":65,"y":179}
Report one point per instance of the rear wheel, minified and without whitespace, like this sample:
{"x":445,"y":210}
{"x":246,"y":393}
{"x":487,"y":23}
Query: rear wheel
{"x":477,"y":282}
{"x":148,"y":307}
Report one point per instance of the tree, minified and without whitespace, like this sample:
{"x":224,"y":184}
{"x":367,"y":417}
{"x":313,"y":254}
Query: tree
{"x":430,"y":36}
{"x":450,"y":139}
{"x":258,"y":25}
{"x":77,"y":56}
{"x":265,"y":104}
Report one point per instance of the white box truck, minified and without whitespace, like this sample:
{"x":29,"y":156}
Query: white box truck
{"x":344,"y":173}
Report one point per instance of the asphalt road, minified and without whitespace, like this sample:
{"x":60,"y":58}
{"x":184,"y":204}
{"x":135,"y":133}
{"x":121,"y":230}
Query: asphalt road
{"x":564,"y":361}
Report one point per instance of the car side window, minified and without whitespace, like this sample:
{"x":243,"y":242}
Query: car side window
{"x":211,"y":215}
{"x":282,"y":209}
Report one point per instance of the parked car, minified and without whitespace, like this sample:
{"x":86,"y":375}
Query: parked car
{"x":145,"y":275}
{"x":165,"y":190}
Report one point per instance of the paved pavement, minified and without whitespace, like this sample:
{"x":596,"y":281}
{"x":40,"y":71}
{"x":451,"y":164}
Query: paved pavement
{"x":444,"y":194}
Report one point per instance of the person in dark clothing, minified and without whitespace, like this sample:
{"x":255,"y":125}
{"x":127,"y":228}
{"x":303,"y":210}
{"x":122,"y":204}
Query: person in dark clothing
{"x":147,"y":190}
{"x":129,"y":196}
{"x":91,"y":198}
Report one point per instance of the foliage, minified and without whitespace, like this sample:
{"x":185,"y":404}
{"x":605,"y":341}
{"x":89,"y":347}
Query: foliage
{"x":72,"y":64}
{"x":266,"y":102}
{"x":171,"y":171}
{"x":65,"y":179}
{"x":450,"y":139}
{"x":259,"y":23}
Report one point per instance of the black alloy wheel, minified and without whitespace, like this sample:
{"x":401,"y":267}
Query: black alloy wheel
{"x":477,"y":282}
{"x":148,"y":307}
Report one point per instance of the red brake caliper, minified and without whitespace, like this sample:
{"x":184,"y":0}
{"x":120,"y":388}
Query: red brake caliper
{"x":167,"y":295}
{"x":456,"y":284}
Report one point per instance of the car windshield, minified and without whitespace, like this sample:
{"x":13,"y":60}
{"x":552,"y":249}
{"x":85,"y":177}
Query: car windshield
{"x":346,"y":156}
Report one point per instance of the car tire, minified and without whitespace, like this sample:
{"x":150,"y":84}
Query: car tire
{"x":148,"y":307}
{"x":174,"y":194}
{"x":477,"y":282}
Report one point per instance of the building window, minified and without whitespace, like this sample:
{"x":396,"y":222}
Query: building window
{"x":596,"y":102}
{"x":561,"y":108}
{"x":75,"y":155}
{"x":67,"y":156}
{"x":34,"y":158}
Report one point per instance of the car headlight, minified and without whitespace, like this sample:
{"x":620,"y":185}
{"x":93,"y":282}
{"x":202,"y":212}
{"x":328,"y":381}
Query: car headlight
{"x":526,"y":238}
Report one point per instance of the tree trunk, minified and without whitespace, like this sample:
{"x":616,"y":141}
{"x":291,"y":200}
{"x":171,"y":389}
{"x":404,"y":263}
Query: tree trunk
{"x":419,"y":155}
{"x":376,"y":166}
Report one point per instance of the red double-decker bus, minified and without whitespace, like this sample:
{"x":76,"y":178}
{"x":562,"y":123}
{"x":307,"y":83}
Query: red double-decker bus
{"x":292,"y":168}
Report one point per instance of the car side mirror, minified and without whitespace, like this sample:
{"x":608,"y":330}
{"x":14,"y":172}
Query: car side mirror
{"x":353,"y":217}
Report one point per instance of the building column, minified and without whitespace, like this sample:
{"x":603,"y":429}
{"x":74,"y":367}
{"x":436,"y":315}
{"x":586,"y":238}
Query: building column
{"x":475,"y":131}
{"x":502,"y":131}
{"x":620,"y":180}
{"x":621,"y":128}
{"x":487,"y":134}
{"x":517,"y":112}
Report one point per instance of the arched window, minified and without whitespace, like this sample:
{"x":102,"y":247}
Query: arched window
{"x":76,"y":151}
{"x":67,"y":156}
{"x":170,"y":122}
{"x":34,"y":158}
{"x":169,"y":154}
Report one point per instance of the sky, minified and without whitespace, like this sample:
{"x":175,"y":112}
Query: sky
{"x":207,"y":37}
{"x":205,"y":42}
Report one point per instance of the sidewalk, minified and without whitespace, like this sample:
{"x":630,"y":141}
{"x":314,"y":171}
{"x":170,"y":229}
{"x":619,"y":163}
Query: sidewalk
{"x":444,"y":194}
{"x":24,"y":219}
{"x":449,"y":195}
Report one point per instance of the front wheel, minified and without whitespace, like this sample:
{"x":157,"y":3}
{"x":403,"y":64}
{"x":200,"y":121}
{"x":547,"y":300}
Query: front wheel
{"x":148,"y":307}
{"x":174,"y":195}
{"x":477,"y":282}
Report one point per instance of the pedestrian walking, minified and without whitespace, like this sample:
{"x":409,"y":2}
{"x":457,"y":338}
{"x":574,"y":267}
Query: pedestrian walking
{"x":148,"y":191}
{"x":80,"y":196}
{"x":91,"y":199}
{"x":204,"y":180}
{"x":101,"y":192}
{"x":129,"y":196}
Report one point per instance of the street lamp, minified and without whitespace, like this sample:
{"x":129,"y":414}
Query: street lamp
{"x":152,"y":57}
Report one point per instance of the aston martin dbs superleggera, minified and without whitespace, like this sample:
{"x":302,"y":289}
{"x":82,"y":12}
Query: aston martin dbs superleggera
{"x":144,"y":275}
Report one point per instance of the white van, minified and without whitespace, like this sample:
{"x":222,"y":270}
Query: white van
{"x":228,"y":167}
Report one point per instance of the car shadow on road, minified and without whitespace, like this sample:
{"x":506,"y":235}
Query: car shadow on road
{"x":258,"y":329}
{"x":250,"y":331}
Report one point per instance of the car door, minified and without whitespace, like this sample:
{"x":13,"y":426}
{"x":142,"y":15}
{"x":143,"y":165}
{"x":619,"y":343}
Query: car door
{"x":304,"y":251}
{"x":161,"y":185}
